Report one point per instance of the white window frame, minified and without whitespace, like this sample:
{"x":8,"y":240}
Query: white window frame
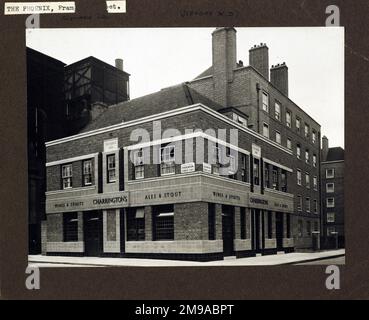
{"x":265,"y":103}
{"x":327,"y":189}
{"x":331,"y":217}
{"x":67,"y":176}
{"x":288,"y":119}
{"x":111,"y":169}
{"x":298,"y":151}
{"x":265,"y":125}
{"x":330,"y":205}
{"x":289,"y":143}
{"x":87,"y":172}
{"x":315,"y":160}
{"x":167,"y":166}
{"x":278,"y":134}
{"x":307,"y":180}
{"x":307,"y":156}
{"x":299,"y":177}
{"x":329,"y":176}
{"x":139,"y":171}
{"x":315,"y":183}
{"x":313,"y":137}
{"x":306,"y":130}
{"x":277,"y":111}
{"x":298,"y":124}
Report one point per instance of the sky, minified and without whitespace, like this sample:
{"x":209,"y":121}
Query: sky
{"x":161,"y":57}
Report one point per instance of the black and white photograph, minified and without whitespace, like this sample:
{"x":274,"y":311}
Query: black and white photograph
{"x":157,"y":147}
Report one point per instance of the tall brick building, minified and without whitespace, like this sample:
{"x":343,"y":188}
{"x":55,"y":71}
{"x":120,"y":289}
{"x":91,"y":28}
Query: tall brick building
{"x":332,"y":178}
{"x":59,"y":100}
{"x":107,"y":196}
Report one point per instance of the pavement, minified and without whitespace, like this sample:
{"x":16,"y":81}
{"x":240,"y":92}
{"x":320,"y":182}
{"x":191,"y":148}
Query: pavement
{"x":270,"y":260}
{"x":339,"y":261}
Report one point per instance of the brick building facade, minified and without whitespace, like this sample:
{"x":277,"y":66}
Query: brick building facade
{"x":235,"y":175}
{"x":332,"y":179}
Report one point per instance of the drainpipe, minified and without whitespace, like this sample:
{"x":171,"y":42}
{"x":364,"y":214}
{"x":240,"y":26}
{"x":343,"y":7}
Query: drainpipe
{"x":258,"y":106}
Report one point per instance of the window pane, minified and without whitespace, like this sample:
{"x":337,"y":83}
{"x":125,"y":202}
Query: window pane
{"x":164,"y":224}
{"x":266,"y":130}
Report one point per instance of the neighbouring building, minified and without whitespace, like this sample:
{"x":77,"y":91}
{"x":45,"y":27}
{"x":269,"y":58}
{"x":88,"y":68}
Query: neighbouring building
{"x":332,"y":179}
{"x":45,"y":79}
{"x":91,"y":81}
{"x":107,"y":197}
{"x":59,"y":98}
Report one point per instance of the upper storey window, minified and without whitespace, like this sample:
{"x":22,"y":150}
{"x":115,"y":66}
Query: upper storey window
{"x":288,"y":119}
{"x":277,"y":111}
{"x":87,"y":172}
{"x":266,"y":130}
{"x":265,"y":102}
{"x":111,"y":168}
{"x":298,"y":124}
{"x":168,"y":160}
{"x":307,"y":130}
{"x":313,"y":137}
{"x":329,"y":173}
{"x":67,"y":176}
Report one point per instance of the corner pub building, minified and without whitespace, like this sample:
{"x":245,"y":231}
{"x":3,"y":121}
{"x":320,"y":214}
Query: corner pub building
{"x":100,"y":203}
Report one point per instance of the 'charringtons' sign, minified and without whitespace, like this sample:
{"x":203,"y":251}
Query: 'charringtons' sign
{"x":93,"y":202}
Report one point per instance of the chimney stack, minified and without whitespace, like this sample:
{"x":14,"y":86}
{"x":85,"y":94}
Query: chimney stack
{"x":97,"y":108}
{"x":119,"y":64}
{"x":279,"y":77}
{"x":325,"y":148}
{"x":224,"y":62}
{"x":259,"y":59}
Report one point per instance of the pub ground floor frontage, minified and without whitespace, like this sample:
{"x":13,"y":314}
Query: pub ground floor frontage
{"x":191,"y":217}
{"x":198,"y":231}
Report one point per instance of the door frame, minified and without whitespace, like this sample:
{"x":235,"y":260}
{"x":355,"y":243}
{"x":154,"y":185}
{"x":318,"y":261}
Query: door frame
{"x":228,"y":214}
{"x":86,"y":217}
{"x":279,"y":230}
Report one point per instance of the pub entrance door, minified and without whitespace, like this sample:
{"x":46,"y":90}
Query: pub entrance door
{"x":255,"y":230}
{"x":93,"y":233}
{"x":228,"y":230}
{"x":279,"y":230}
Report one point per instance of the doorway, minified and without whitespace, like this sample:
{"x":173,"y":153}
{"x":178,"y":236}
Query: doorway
{"x":93,"y":233}
{"x":279,"y":230}
{"x":255,"y":230}
{"x":228,"y":230}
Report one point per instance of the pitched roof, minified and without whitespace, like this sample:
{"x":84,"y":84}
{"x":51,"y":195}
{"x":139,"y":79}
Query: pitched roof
{"x":207,"y":72}
{"x":164,"y":100}
{"x":335,"y":154}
